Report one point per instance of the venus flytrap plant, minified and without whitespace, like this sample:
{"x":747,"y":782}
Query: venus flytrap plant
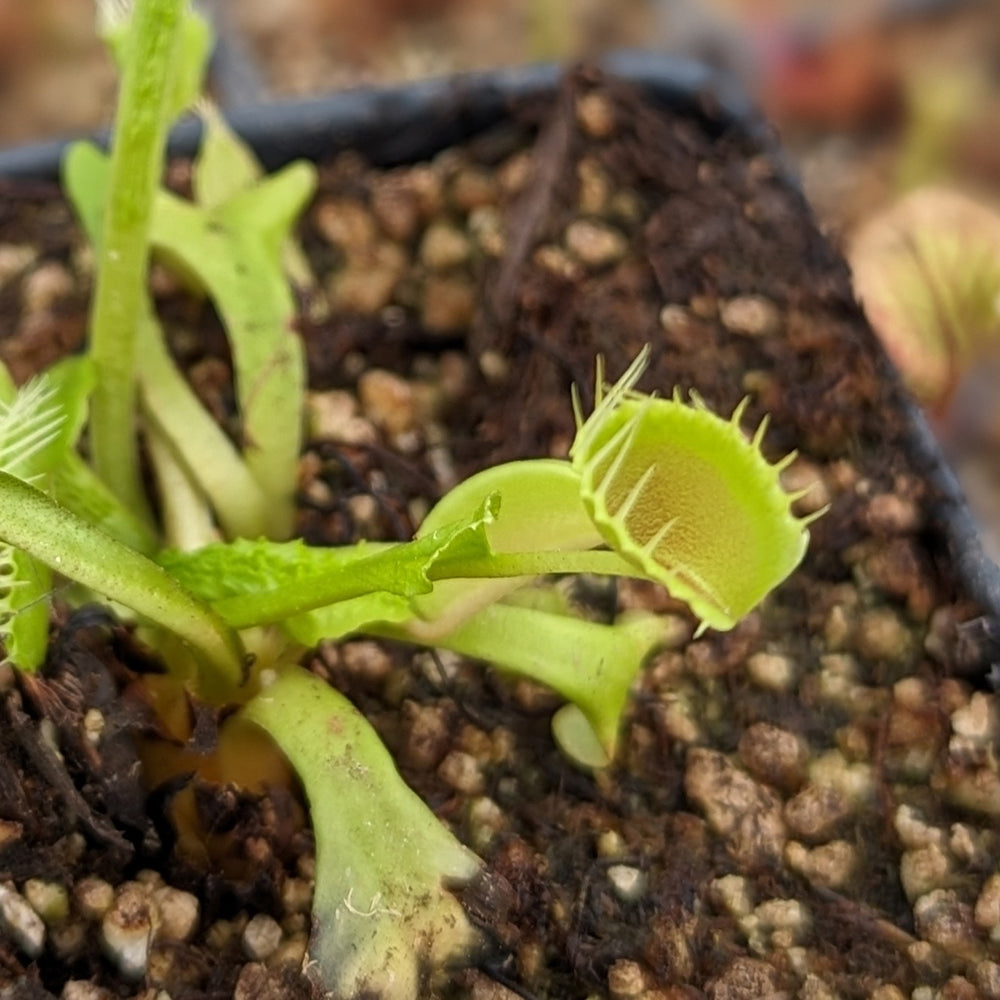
{"x":501,"y":528}
{"x":653,"y":488}
{"x":927,"y":271}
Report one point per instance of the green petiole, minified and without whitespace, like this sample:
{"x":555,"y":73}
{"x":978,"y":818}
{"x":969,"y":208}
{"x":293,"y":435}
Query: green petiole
{"x":33,"y":523}
{"x":137,"y":150}
{"x":383,"y":918}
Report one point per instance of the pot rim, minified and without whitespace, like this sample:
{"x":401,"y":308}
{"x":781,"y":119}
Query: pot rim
{"x":380,"y":120}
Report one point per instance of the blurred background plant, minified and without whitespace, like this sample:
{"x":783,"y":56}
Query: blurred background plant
{"x":876,"y":101}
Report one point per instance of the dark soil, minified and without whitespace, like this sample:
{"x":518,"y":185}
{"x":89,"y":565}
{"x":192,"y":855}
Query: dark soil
{"x":805,"y":806}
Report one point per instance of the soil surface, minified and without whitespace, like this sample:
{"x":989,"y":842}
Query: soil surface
{"x":804,"y":807}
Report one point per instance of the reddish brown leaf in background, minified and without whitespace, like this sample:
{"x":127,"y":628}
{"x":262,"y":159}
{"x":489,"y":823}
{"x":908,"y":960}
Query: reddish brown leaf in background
{"x":927,"y":272}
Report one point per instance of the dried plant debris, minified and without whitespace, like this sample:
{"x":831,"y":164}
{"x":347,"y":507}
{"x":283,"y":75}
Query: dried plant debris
{"x":804,"y":806}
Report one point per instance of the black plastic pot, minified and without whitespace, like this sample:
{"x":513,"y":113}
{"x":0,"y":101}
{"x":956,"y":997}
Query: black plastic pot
{"x":410,"y":122}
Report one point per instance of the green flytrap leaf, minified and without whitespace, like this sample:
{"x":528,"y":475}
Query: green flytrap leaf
{"x":687,"y":499}
{"x":192,"y":53}
{"x":233,"y":248}
{"x":39,"y":425}
{"x":593,"y":666}
{"x":25,"y":582}
{"x":152,"y":78}
{"x":38,"y":526}
{"x":171,"y":409}
{"x":383,"y":917}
